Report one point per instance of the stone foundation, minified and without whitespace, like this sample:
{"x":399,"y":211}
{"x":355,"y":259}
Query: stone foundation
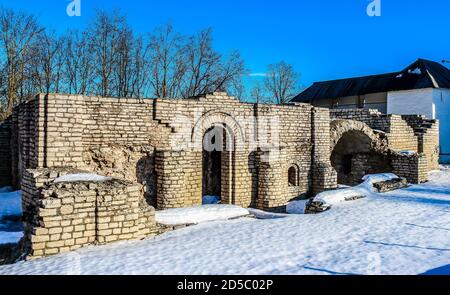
{"x":61,"y":217}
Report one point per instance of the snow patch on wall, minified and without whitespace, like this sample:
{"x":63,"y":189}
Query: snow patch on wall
{"x":82,"y":177}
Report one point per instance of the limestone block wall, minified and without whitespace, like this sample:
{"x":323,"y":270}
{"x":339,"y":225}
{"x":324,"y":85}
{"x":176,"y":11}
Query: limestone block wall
{"x":5,"y":153}
{"x":270,"y":185}
{"x":427,"y":132}
{"x":429,"y":142}
{"x":61,"y":126}
{"x":188,"y":121}
{"x":358,"y":150}
{"x":411,"y":167}
{"x":412,"y":133}
{"x":170,"y":179}
{"x":323,"y":175}
{"x":371,"y":117}
{"x":124,"y":122}
{"x":24,"y":139}
{"x":400,"y":135}
{"x":61,"y":217}
{"x":122,"y":138}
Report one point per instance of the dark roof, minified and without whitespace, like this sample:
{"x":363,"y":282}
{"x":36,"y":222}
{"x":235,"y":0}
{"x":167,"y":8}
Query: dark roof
{"x":420,"y":74}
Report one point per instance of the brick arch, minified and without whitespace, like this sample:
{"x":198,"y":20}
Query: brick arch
{"x":224,"y":120}
{"x":341,"y":127}
{"x":357,"y":150}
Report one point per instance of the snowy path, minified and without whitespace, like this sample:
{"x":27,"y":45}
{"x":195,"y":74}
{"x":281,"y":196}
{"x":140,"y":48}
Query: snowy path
{"x":402,"y":232}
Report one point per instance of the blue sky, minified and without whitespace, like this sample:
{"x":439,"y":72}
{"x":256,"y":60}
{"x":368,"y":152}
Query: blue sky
{"x":323,"y":39}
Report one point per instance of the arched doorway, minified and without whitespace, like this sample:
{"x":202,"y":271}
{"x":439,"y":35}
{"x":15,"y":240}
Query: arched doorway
{"x":210,"y":127}
{"x":216,"y":161}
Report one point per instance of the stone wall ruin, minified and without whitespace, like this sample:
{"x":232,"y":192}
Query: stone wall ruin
{"x":154,"y":149}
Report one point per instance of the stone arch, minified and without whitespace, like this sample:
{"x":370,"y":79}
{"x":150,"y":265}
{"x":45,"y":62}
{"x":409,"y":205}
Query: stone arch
{"x":224,"y":120}
{"x":233,"y":136}
{"x":356,"y":150}
{"x":340,"y":127}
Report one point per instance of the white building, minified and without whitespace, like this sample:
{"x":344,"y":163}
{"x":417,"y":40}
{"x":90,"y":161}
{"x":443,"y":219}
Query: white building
{"x":422,"y":88}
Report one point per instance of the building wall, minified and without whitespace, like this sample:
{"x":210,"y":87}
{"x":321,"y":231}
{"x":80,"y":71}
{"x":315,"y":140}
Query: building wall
{"x":411,"y":102}
{"x":441,"y":100}
{"x":376,"y":101}
{"x":159,"y":143}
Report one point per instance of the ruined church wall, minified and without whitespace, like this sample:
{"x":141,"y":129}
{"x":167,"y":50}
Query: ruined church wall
{"x":427,"y":132}
{"x":120,"y":138}
{"x":290,"y":147}
{"x":300,"y":163}
{"x":25,"y":138}
{"x":189,"y":120}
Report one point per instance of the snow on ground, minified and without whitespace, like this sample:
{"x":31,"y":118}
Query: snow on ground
{"x":296,"y":207}
{"x":362,"y":190}
{"x":209,"y":200}
{"x":82,"y":177}
{"x":401,"y":232}
{"x":260,"y":214}
{"x":10,"y":205}
{"x":199,"y":214}
{"x":343,"y":194}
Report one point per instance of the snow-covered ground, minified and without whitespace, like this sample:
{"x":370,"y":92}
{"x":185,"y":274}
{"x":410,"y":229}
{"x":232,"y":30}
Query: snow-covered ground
{"x":402,"y":232}
{"x":199,"y":214}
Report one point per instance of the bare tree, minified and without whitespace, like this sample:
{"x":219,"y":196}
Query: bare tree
{"x":258,"y":93}
{"x":108,"y":59}
{"x":104,"y":38}
{"x":123,"y":70}
{"x":17,"y":34}
{"x":230,"y":75}
{"x":206,"y":69}
{"x":77,"y":58}
{"x":167,"y":61}
{"x":140,"y":74}
{"x":46,"y":63}
{"x":281,"y":81}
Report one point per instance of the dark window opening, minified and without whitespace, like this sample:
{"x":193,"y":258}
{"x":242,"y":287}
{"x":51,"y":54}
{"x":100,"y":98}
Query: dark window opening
{"x":293,"y":176}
